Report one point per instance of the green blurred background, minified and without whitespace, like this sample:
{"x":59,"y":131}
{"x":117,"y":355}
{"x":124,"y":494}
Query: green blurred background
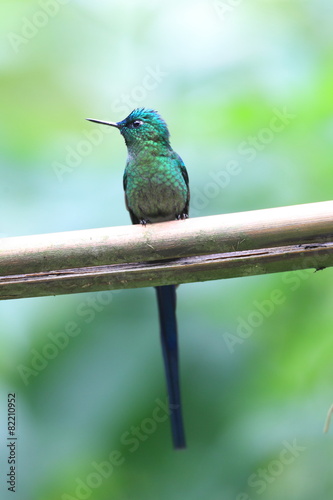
{"x":256,"y":375}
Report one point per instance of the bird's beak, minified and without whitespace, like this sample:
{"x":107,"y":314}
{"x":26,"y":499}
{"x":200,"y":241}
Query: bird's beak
{"x":111,"y":124}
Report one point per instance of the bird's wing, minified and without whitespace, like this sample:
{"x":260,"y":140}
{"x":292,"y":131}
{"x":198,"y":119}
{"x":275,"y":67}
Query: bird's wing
{"x":125,"y":180}
{"x":184,"y":173}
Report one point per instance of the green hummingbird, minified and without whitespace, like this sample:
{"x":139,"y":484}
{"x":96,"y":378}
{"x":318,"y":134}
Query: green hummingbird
{"x":156,"y":189}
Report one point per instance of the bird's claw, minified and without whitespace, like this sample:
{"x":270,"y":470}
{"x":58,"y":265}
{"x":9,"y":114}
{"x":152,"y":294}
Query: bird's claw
{"x":182,"y":216}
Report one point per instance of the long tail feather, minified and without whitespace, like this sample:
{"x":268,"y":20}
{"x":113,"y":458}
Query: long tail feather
{"x":166,"y":297}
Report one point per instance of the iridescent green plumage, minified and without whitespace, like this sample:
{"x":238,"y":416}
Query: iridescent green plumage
{"x":155,"y":178}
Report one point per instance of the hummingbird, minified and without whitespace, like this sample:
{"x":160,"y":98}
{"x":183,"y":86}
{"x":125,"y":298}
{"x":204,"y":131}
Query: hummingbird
{"x":156,"y":189}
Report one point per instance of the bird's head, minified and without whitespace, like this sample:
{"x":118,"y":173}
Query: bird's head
{"x":141,"y":125}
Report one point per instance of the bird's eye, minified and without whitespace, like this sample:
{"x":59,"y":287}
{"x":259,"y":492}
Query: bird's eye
{"x":136,"y":124}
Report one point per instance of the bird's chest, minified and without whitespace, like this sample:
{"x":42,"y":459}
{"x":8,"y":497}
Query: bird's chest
{"x":155,"y":188}
{"x":152,"y":179}
{"x":152,"y":174}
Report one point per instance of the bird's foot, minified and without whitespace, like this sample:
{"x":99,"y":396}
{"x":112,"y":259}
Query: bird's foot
{"x":182,"y":216}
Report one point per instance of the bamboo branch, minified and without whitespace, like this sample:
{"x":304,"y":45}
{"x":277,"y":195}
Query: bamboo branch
{"x":206,"y":248}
